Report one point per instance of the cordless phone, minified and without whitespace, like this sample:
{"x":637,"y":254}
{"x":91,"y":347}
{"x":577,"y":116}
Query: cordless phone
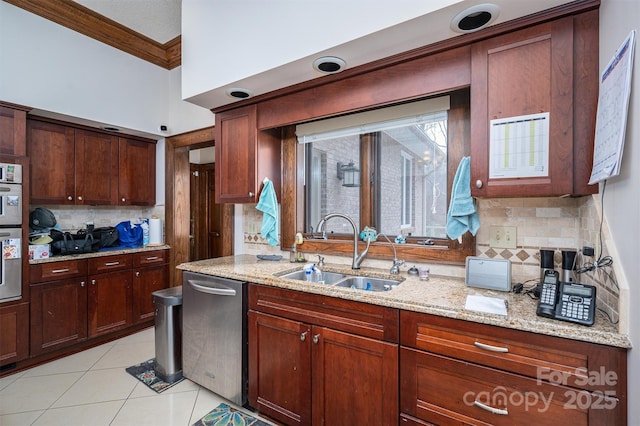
{"x":566,"y":301}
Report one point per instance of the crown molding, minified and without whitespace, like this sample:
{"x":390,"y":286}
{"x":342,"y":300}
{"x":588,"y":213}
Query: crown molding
{"x":98,"y":27}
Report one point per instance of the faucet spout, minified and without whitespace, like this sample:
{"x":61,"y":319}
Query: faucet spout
{"x":357,"y":257}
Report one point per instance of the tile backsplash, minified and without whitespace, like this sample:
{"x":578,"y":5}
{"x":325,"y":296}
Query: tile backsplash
{"x":541,"y":223}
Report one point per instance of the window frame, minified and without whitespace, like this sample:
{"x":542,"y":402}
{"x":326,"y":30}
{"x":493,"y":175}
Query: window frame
{"x":293,"y":200}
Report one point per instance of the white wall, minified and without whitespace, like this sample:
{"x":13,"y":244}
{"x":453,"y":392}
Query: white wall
{"x":622,"y":193}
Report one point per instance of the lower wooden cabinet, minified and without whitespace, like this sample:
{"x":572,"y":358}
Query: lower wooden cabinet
{"x":109,"y":302}
{"x":307,"y":368}
{"x":150,"y":273}
{"x":14,"y":333}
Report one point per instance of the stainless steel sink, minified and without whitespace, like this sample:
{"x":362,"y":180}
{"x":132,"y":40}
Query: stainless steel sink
{"x":368,"y":283}
{"x":327,"y":277}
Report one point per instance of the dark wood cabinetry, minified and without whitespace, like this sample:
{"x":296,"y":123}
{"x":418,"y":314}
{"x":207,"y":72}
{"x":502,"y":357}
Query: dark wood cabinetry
{"x":81,"y":166}
{"x":137,"y":184}
{"x":76,"y":300}
{"x":320,"y":360}
{"x":455,"y":372}
{"x":14,"y":333}
{"x":540,"y":69}
{"x":244,"y":156}
{"x":150,"y":273}
{"x":13,"y":124}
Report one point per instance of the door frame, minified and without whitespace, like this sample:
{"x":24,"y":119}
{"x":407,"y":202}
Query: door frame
{"x":177,"y":199}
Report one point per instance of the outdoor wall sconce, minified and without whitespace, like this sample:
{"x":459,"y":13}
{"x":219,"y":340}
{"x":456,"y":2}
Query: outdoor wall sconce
{"x":348,"y":174}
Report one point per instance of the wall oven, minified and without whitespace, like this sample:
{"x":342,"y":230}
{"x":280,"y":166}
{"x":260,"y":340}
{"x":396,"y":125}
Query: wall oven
{"x":10,"y":232}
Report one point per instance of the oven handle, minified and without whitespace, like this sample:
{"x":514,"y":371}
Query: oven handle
{"x":5,"y":234}
{"x":205,"y":287}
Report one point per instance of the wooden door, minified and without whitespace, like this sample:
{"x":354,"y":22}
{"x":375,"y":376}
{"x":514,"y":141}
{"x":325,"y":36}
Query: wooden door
{"x":52,"y":170}
{"x":58,"y":314}
{"x":14,"y":333}
{"x":137,"y":179}
{"x":109,"y":302}
{"x":145,"y":282}
{"x":355,"y":379}
{"x":207,"y":219}
{"x":96,"y":165}
{"x":279,"y":368}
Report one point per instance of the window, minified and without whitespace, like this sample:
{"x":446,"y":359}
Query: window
{"x":407,"y":166}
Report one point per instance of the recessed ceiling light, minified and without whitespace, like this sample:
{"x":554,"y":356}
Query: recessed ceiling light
{"x":475,"y":18}
{"x":238,"y":93}
{"x":329,"y":64}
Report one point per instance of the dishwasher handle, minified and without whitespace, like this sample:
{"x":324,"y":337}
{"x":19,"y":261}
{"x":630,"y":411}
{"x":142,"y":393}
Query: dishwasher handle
{"x":211,"y":287}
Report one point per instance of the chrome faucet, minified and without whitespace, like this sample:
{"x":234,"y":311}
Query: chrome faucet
{"x":357,"y":258}
{"x":395,"y":268}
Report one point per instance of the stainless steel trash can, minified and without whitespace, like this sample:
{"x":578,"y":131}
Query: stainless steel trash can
{"x":168,"y":333}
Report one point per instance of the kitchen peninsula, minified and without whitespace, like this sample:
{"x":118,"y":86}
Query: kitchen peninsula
{"x":437,"y":343}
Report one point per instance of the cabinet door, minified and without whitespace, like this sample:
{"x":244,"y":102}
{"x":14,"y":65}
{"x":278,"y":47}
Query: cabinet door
{"x":145,"y":282}
{"x":521,"y":73}
{"x":137,"y":182}
{"x":109,"y":302}
{"x":355,"y":379}
{"x":14,"y":333}
{"x":52,"y":173}
{"x":13,"y":128}
{"x":58,"y":314}
{"x":280,"y":368}
{"x":96,"y":163}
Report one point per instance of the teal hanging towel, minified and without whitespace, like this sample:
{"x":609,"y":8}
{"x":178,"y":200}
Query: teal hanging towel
{"x":268,"y":205}
{"x":462,"y":215}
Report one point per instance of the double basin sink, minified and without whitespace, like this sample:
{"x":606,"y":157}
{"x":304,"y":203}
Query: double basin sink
{"x":348,"y":281}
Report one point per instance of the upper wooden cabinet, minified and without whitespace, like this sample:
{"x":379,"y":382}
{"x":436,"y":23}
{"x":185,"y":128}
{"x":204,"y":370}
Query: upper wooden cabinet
{"x":244,"y":156}
{"x":13,"y":125}
{"x":548,"y":68}
{"x":80,"y":166}
{"x":137,"y":184}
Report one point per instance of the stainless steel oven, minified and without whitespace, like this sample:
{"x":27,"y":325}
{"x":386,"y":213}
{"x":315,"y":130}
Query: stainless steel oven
{"x":10,"y":232}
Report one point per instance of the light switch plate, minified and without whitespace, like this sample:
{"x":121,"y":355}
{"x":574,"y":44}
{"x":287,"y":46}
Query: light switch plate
{"x":502,"y":236}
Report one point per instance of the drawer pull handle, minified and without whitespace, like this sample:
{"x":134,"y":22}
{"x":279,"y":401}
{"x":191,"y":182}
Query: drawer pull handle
{"x":490,"y":348}
{"x":316,"y":338}
{"x":60,"y":271}
{"x":111,"y":263}
{"x":491,"y":409}
{"x":152,"y":258}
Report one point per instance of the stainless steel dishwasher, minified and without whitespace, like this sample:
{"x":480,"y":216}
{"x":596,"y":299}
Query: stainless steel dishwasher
{"x":214,"y":334}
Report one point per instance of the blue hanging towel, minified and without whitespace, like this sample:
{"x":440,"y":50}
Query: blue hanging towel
{"x":268,"y":205}
{"x":462,"y":215}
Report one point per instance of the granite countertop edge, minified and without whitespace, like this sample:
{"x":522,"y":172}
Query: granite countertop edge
{"x":99,"y":254}
{"x":442,"y":296}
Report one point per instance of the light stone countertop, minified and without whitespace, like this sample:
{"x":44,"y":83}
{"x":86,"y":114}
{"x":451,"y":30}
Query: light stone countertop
{"x":443,"y":296}
{"x":98,"y":254}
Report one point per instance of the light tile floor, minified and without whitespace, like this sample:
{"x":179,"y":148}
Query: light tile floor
{"x":93,"y":388}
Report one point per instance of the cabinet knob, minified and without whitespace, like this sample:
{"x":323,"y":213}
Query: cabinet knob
{"x":93,"y":282}
{"x":478,"y":184}
{"x":123,"y":199}
{"x":82,"y":284}
{"x":316,"y":338}
{"x":251,"y":194}
{"x":80,"y":198}
{"x":303,"y":336}
{"x":137,"y":273}
{"x":70,"y":198}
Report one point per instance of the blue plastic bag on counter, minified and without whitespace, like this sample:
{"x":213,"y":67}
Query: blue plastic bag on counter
{"x":129,"y":235}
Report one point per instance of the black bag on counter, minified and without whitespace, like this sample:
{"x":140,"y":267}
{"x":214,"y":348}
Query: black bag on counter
{"x":106,"y":236}
{"x":72,"y":244}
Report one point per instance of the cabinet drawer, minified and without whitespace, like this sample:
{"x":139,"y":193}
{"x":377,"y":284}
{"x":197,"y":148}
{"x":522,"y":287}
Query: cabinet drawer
{"x":563,"y":361}
{"x":363,"y":319}
{"x":443,"y":390}
{"x":53,"y":271}
{"x":110,"y":263}
{"x":145,"y":258}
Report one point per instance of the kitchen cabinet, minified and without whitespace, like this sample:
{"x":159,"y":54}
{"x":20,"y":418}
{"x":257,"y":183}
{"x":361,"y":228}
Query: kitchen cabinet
{"x":84,"y":167}
{"x":453,"y":372}
{"x":72,"y":166}
{"x":321,"y":360}
{"x":109,"y":303}
{"x":150,"y":273}
{"x":58,"y":305}
{"x":547,"y":68}
{"x":14,"y":333}
{"x":137,"y":179}
{"x":244,"y":156}
{"x":13,"y":128}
